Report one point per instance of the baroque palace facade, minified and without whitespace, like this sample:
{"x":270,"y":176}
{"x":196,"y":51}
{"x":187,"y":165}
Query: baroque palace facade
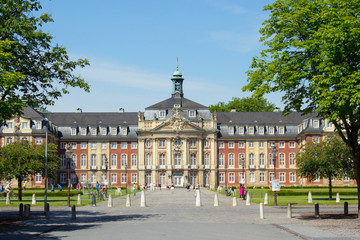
{"x":176,"y":141}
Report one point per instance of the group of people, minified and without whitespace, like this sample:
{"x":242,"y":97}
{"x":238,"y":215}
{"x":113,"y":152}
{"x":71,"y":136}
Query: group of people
{"x":103,"y":189}
{"x":231,"y":191}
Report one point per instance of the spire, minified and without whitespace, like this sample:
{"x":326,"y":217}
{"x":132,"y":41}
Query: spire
{"x":177,"y":63}
{"x":177,"y":82}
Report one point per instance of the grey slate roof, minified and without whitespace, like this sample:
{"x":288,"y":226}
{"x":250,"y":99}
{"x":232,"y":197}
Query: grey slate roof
{"x":31,"y":113}
{"x":169,"y":104}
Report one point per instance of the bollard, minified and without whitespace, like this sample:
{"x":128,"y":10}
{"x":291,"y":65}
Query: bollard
{"x":234,"y":202}
{"x":198,"y":199}
{"x":261,"y":211}
{"x":317,"y":210}
{"x":128,"y":202}
{"x":142,"y":199}
{"x":216,"y":200}
{"x":248,"y":199}
{"x":266,"y":200}
{"x":47,"y":211}
{"x":289,"y":211}
{"x":79,"y":200}
{"x":93,"y":200}
{"x":337,"y":197}
{"x":26,"y":210}
{"x":21,"y":211}
{"x":33,"y":200}
{"x":346,"y":208}
{"x":8,"y":201}
{"x":110,"y":201}
{"x":73,"y":212}
{"x":309,"y":198}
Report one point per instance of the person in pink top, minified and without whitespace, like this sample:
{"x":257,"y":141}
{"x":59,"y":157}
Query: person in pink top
{"x":241,"y":191}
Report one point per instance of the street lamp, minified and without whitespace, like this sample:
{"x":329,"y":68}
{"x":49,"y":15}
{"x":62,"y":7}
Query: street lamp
{"x":68,"y":155}
{"x":243,"y":168}
{"x":46,"y":165}
{"x":274,"y":153}
{"x":126,"y":176}
{"x":225,"y":176}
{"x":106,"y":162}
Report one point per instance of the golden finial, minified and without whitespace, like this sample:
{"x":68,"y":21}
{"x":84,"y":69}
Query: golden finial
{"x":177,"y":63}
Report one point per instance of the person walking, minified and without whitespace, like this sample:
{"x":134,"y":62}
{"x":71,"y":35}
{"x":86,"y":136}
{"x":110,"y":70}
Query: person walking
{"x":24,"y":186}
{"x":60,"y":188}
{"x":98,"y":188}
{"x":134,"y":188}
{"x":172,"y":188}
{"x":241,"y":191}
{"x":52,"y":188}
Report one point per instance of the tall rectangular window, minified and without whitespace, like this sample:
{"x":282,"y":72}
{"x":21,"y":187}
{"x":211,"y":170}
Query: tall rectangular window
{"x":252,"y":177}
{"x":83,"y":160}
{"x":221,"y":177}
{"x":231,"y":159}
{"x":292,"y":158}
{"x":292,"y":177}
{"x":231,"y":177}
{"x":113,"y":160}
{"x":162,"y":159}
{"x":206,"y":159}
{"x":113,"y":178}
{"x":123,"y":160}
{"x":133,"y":178}
{"x":133,"y":160}
{"x":162,"y":143}
{"x":282,"y":159}
{"x":282,"y":177}
{"x":123,"y":178}
{"x":262,"y":177}
{"x":221,"y":159}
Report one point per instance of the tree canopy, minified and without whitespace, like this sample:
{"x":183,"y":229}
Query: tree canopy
{"x":328,"y":159}
{"x":312,"y":55}
{"x":247,"y":104}
{"x":33,"y":70}
{"x":21,"y":159}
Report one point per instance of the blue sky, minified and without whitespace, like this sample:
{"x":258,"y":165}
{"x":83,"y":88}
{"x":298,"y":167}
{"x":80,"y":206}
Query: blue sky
{"x":132,"y":47}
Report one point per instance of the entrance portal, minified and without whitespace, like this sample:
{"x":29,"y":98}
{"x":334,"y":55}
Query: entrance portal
{"x":178,"y":180}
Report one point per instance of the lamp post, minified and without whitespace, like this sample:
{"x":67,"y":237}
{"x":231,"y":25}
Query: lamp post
{"x":68,"y":155}
{"x":46,"y":165}
{"x":225,"y":176}
{"x":243,"y":168}
{"x":126,"y":177}
{"x":106,"y":162}
{"x":274,"y":153}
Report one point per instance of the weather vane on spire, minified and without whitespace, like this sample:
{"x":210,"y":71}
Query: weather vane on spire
{"x":177,"y":63}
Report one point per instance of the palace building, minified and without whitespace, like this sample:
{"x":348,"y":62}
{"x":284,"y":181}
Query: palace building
{"x":176,"y":141}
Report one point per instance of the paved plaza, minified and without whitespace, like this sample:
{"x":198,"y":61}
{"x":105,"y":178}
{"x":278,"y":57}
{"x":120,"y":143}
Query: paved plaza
{"x":175,"y":216}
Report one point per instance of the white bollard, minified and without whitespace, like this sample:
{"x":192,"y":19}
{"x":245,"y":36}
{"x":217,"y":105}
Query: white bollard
{"x":142,"y":199}
{"x":289,"y":211}
{"x":128,"y":202}
{"x":198,"y":198}
{"x":79,"y":201}
{"x":110,"y":201}
{"x":310,"y":198}
{"x":8,"y":201}
{"x":234,"y":202}
{"x":33,"y":200}
{"x":338,"y":197}
{"x":266,"y":200}
{"x":248,"y":199}
{"x":261,"y":211}
{"x":216,"y":200}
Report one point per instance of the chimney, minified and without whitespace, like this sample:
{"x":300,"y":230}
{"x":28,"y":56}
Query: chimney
{"x":79,"y":110}
{"x":121,"y":110}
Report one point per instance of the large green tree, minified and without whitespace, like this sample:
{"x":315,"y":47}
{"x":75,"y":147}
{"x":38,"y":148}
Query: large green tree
{"x":328,"y":159}
{"x":246,"y":104}
{"x":312,"y":56}
{"x":33,"y":70}
{"x":21,"y":160}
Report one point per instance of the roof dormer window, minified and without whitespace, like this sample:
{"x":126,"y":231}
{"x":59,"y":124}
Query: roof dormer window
{"x":241,"y":130}
{"x":316,"y":124}
{"x":177,"y":105}
{"x":281,"y":130}
{"x":103,"y":131}
{"x":124,"y":131}
{"x":192,"y":113}
{"x":38,"y":125}
{"x":73,"y":131}
{"x":93,"y":131}
{"x":162,"y":114}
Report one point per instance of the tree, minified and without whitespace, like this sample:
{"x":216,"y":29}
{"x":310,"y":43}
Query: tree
{"x":247,"y":104}
{"x":312,"y":56}
{"x":329,"y":159}
{"x":32,"y":70}
{"x":19,"y":160}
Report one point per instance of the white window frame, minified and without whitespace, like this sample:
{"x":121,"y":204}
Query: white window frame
{"x":221,"y":177}
{"x":252,"y":177}
{"x":123,"y":160}
{"x":62,"y":178}
{"x":251,"y":144}
{"x":24,"y":125}
{"x":221,"y":144}
{"x":133,"y":178}
{"x":241,"y":130}
{"x":114,"y":178}
{"x":123,"y":178}
{"x":251,"y":130}
{"x":261,"y":131}
{"x":221,"y":159}
{"x":192,"y":143}
{"x":282,"y":177}
{"x":38,"y":178}
{"x":231,"y":177}
{"x":113,"y":160}
{"x":241,"y":144}
{"x":73,"y":131}
{"x":282,"y":159}
{"x":261,"y":144}
{"x":281,"y":130}
{"x":162,"y":143}
{"x":103,"y":131}
{"x":93,"y":145}
{"x":133,"y":145}
{"x":292,"y":159}
{"x":281,"y":144}
{"x":83,"y":131}
{"x":83,"y":145}
{"x":231,"y":158}
{"x":93,"y":178}
{"x":113,"y":131}
{"x":316,"y":123}
{"x":162,"y":114}
{"x":38,"y":140}
{"x":113,"y":145}
{"x":103,"y":145}
{"x":124,"y":145}
{"x":192,"y":113}
{"x":83,"y":160}
{"x":148,"y":143}
{"x":206,"y":144}
{"x":292,"y":144}
{"x":262,"y":177}
{"x":271,"y":130}
{"x":292,"y":177}
{"x":133,"y":160}
{"x":231,"y":130}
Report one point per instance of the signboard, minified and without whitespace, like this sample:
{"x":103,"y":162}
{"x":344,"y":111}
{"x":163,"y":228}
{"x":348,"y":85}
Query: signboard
{"x":242,"y":181}
{"x":275,"y":185}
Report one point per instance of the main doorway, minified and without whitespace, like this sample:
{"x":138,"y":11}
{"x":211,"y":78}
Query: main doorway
{"x":178,"y":180}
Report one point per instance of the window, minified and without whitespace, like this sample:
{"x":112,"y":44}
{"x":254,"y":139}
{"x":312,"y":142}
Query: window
{"x":62,"y":160}
{"x":73,"y":178}
{"x":133,"y":160}
{"x":113,"y":160}
{"x":282,"y":159}
{"x":93,"y":178}
{"x":148,"y":160}
{"x":271,"y":159}
{"x":73,"y":160}
{"x":329,"y":124}
{"x":24,"y":138}
{"x":9,"y":125}
{"x":315,"y":139}
{"x":83,"y":131}
{"x":133,"y":178}
{"x":231,"y":130}
{"x":262,"y":160}
{"x":113,"y":145}
{"x":148,"y":178}
{"x":252,"y":177}
{"x":177,"y":143}
{"x":123,"y":178}
{"x":206,"y":159}
{"x":251,"y":144}
{"x":73,"y":145}
{"x":192,"y":113}
{"x":241,"y":159}
{"x":123,"y":160}
{"x":38,"y":125}
{"x":281,"y":144}
{"x":252,"y":160}
{"x":271,"y":130}
{"x":38,"y":178}
{"x":177,"y":159}
{"x":282,"y":177}
{"x":162,"y":159}
{"x":38,"y":140}
{"x":261,"y":144}
{"x":83,"y":160}
{"x":292,"y":177}
{"x":83,"y":145}
{"x":93,"y":131}
{"x":221,"y":159}
{"x":271,"y":144}
{"x":63,"y":178}
{"x":148,"y":143}
{"x":133,"y":145}
{"x":113,"y":131}
{"x":162,"y":178}
{"x":93,"y":160}
{"x":63,"y":145}
{"x":206,"y":143}
{"x":281,"y":130}
{"x":251,"y":130}
{"x":162,"y":114}
{"x":103,"y":145}
{"x":124,"y":145}
{"x":24,"y":125}
{"x":113,"y":178}
{"x":292,"y":158}
{"x":262,"y":177}
{"x":93,"y":145}
{"x":241,"y":178}
{"x":316,"y":123}
{"x":261,"y":130}
{"x":177,"y":105}
{"x":231,"y":144}
{"x":221,"y":177}
{"x":192,"y":143}
{"x":292,"y":144}
{"x":241,"y":130}
{"x":241,"y":144}
{"x":103,"y":131}
{"x":73,"y":131}
{"x":161,"y":143}
{"x":83,"y":177}
{"x":193,"y":159}
{"x":231,"y":177}
{"x":124,"y":131}
{"x":271,"y":176}
{"x":231,"y":159}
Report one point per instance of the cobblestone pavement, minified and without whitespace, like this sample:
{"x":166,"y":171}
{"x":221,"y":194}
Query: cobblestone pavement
{"x":175,"y":216}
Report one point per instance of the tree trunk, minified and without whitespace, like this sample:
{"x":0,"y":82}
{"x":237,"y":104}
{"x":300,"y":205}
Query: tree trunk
{"x":330,"y":189}
{"x":19,"y":189}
